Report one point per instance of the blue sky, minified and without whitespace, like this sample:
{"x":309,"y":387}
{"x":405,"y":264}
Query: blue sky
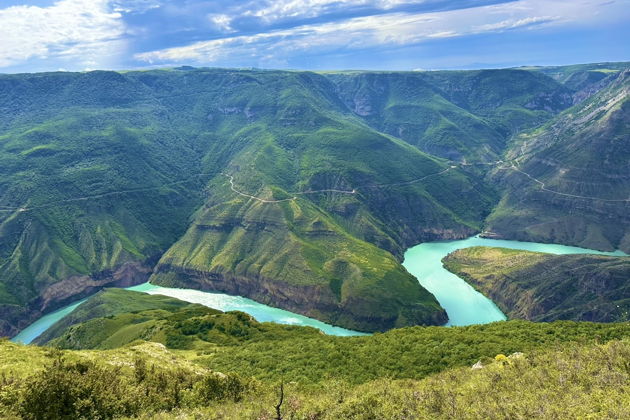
{"x":77,"y":35}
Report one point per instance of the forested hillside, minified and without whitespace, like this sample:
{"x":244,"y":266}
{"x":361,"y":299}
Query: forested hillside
{"x":297,"y":189}
{"x":569,"y":180}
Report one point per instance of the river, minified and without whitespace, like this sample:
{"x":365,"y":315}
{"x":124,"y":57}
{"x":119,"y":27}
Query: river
{"x":463,"y":304}
{"x":220,"y":301}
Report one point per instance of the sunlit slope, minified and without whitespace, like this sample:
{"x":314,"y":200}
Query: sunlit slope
{"x":136,"y":308}
{"x":103,"y":172}
{"x":464,"y":116}
{"x":569,"y":181}
{"x":546,"y":287}
{"x":233,"y":342}
{"x":90,"y":185}
{"x":419,"y":372}
{"x":298,"y":215}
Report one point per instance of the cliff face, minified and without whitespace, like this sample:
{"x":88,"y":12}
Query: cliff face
{"x":310,"y":183}
{"x":543,"y":287}
{"x":569,"y":181}
{"x":360,"y":313}
{"x":13,"y":318}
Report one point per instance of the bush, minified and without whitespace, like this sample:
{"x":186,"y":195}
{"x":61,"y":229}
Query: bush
{"x":81,"y":390}
{"x":219,"y":387}
{"x":87,"y":390}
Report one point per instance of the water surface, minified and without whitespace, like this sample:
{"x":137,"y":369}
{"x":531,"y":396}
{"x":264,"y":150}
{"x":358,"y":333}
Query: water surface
{"x":463,"y":304}
{"x":220,"y":301}
{"x":259,"y":311}
{"x":37,"y":328}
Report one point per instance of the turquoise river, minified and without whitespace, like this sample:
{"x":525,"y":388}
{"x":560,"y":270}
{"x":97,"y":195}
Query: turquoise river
{"x":463,"y":304}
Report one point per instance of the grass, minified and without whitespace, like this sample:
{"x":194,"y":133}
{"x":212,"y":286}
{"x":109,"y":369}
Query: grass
{"x":526,"y":371}
{"x":235,"y":343}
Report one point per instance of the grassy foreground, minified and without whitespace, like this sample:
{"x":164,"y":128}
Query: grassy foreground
{"x":235,"y":342}
{"x":125,"y":354}
{"x":149,"y":381}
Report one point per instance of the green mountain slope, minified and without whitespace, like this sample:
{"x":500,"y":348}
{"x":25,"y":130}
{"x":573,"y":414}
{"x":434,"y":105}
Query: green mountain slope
{"x":543,"y":287}
{"x":584,"y":79}
{"x":111,"y":302}
{"x":210,"y":364}
{"x":568,"y":181}
{"x":317,"y":218}
{"x":94,"y":184}
{"x":463,"y":116}
{"x":297,"y":189}
{"x":115,"y":318}
{"x":104,"y":173}
{"x":234,"y":342}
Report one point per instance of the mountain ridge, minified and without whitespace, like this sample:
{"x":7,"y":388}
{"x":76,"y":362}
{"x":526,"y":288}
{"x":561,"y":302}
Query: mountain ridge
{"x":276,"y":134}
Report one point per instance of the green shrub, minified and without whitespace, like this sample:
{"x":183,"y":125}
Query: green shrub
{"x":80,"y":390}
{"x":218,"y":387}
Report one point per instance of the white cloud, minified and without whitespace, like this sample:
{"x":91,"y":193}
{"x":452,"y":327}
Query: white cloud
{"x":85,"y":31}
{"x":221,"y":22}
{"x":516,"y":23}
{"x":281,"y":9}
{"x":135,"y":6}
{"x":271,"y":11}
{"x":443,"y":34}
{"x":391,"y":29}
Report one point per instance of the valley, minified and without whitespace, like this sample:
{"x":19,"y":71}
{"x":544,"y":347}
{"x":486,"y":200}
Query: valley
{"x":314,"y":210}
{"x":463,"y":304}
{"x":272,"y":185}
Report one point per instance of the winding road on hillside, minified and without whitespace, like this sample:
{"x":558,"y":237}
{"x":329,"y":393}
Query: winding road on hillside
{"x":499,"y":162}
{"x":295,"y":194}
{"x":543,"y":188}
{"x":353,"y":191}
{"x":98,"y":196}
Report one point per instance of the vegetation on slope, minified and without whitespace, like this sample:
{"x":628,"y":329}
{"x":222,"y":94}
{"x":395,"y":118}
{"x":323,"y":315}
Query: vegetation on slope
{"x":111,"y":302}
{"x":463,"y":116}
{"x":568,"y":181}
{"x":104,"y":173}
{"x":37,"y":383}
{"x":148,"y":381}
{"x":91,"y":189}
{"x":581,"y":77}
{"x":101,"y":173}
{"x":234,"y":342}
{"x":545,"y":287}
{"x":575,"y":382}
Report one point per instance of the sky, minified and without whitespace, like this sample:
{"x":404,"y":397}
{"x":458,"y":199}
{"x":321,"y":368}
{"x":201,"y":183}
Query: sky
{"x":80,"y":35}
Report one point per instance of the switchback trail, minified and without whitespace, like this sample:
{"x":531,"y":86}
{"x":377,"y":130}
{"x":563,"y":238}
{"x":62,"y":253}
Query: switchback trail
{"x":543,"y":188}
{"x":512,"y":166}
{"x":353,"y":191}
{"x":413,"y":181}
